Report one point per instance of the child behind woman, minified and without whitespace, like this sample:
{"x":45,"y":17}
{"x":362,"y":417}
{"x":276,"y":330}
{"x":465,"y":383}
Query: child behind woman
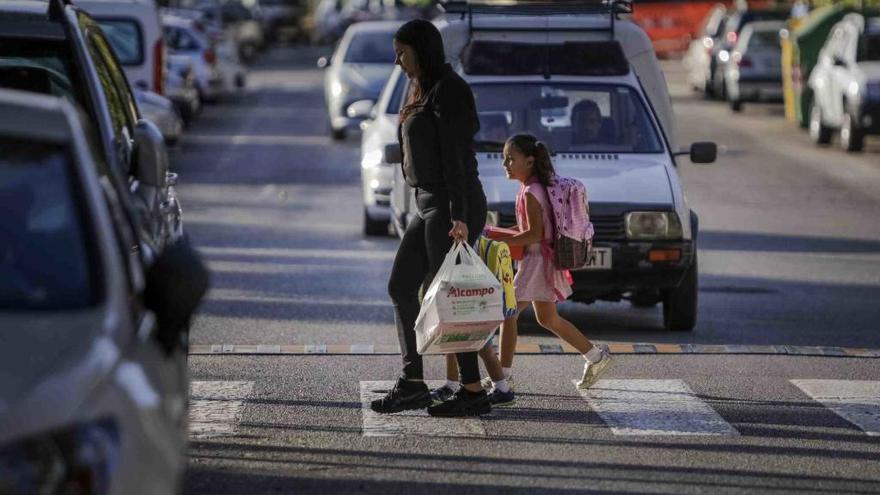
{"x":537,"y":281}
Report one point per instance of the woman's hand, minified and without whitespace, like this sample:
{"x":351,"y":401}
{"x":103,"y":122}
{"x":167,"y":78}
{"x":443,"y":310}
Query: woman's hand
{"x":459,"y":231}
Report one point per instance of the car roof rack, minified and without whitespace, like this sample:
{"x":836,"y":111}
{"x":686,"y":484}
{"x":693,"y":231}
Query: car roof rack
{"x":467,"y":9}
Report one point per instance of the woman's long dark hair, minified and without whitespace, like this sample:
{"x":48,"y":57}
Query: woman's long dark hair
{"x":426,"y":40}
{"x":529,"y":145}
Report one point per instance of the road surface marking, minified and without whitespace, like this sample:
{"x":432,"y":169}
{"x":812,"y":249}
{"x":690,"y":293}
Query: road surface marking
{"x":654,"y":407}
{"x":411,"y":422}
{"x":857,"y":401}
{"x":216,"y":407}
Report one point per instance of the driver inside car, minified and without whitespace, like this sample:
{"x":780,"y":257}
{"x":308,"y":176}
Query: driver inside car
{"x":588,"y":126}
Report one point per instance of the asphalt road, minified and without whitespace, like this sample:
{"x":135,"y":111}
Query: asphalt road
{"x":789,"y":253}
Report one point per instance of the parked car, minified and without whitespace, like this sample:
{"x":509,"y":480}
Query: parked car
{"x":184,"y":39}
{"x":733,"y":26}
{"x":333,"y":17}
{"x":133,"y":30}
{"x":160,"y":111}
{"x":846,"y":83}
{"x":234,"y":19}
{"x":699,"y":60}
{"x":754,"y":72}
{"x":181,"y":87}
{"x":379,"y":131}
{"x":63,"y":52}
{"x":356,"y":73}
{"x":603,"y":107}
{"x":282,"y":19}
{"x":94,"y":350}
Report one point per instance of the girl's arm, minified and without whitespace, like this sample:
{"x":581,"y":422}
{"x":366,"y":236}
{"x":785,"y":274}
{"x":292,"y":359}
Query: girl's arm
{"x":535,"y":232}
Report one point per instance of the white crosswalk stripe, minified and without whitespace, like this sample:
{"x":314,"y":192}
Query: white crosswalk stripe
{"x":216,"y":407}
{"x":857,"y":401}
{"x":654,"y":407}
{"x":411,"y":422}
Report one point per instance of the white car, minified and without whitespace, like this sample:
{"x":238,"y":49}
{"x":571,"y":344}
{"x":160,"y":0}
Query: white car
{"x":95,"y":383}
{"x":133,"y":29}
{"x":380,"y":131}
{"x":846,"y":83}
{"x":590,"y":87}
{"x":160,"y":111}
{"x":699,"y":57}
{"x":357,"y":72}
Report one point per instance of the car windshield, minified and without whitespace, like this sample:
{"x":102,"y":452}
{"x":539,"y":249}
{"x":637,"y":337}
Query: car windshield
{"x":870,"y":48}
{"x":371,"y":48}
{"x":125,"y":37}
{"x":43,"y":256}
{"x":765,"y":38}
{"x":570,"y":117}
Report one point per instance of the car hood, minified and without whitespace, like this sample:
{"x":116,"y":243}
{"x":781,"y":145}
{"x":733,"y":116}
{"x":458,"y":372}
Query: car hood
{"x":49,"y":364}
{"x":370,"y":77}
{"x":871,"y":70}
{"x":619,"y":179}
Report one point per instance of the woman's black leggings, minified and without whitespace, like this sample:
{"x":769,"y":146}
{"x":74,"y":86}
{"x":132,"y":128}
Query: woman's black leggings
{"x":421,"y":252}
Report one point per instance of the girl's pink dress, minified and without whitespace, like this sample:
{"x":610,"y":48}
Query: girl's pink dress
{"x":537,"y":278}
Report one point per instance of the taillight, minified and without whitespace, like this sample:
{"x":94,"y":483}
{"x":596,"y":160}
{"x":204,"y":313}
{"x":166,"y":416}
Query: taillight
{"x":210,"y":56}
{"x":159,"y":67}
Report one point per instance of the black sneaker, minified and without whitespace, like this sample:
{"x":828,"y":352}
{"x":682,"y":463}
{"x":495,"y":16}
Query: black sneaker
{"x":463,"y":403}
{"x":405,"y":395}
{"x":502,"y":399}
{"x":441,"y":394}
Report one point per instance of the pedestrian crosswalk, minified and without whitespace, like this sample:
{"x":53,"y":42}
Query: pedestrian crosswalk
{"x":857,"y":401}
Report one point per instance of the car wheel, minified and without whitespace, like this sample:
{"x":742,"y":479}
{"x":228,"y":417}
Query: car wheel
{"x":680,"y":303}
{"x":338,"y":134}
{"x":819,"y":132}
{"x":736,"y":105}
{"x":644,"y":298}
{"x":374,"y":227}
{"x":851,"y":138}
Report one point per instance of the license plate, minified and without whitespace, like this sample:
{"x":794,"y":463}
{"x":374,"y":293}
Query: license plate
{"x":600,"y":259}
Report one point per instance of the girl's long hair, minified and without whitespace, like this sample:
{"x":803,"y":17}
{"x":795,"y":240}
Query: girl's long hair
{"x":426,"y":40}
{"x":529,"y":145}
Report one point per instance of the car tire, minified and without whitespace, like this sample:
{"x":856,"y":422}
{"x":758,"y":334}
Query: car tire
{"x":851,"y":137}
{"x":819,"y":132}
{"x":374,"y":228}
{"x":736,"y":105}
{"x":644,"y":298}
{"x":680,"y":303}
{"x":338,"y":134}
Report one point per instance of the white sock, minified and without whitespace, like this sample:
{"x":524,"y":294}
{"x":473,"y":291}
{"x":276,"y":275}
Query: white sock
{"x":452,"y":385}
{"x":506,"y":372}
{"x":502,"y":386}
{"x":594,"y":354}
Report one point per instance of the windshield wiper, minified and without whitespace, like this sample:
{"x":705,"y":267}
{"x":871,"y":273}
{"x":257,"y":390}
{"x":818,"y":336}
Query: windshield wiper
{"x":488,"y":145}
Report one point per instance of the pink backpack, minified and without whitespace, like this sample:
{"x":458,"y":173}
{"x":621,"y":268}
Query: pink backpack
{"x":572,"y":229}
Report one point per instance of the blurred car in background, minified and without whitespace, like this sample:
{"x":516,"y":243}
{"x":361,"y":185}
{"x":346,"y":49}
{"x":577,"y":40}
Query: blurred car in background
{"x":356,"y":73}
{"x":181,"y":89}
{"x":699,"y":60}
{"x":95,"y":389}
{"x":160,"y":111}
{"x":132,"y":27}
{"x":63,"y":52}
{"x":239,"y":22}
{"x":754,"y":72}
{"x":846,"y":83}
{"x":281,"y":19}
{"x":721,"y":51}
{"x":377,"y":173}
{"x":184,"y":39}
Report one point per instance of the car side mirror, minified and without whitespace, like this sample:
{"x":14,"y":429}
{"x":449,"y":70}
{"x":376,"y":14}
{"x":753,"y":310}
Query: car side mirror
{"x":323,"y":63}
{"x":151,"y":155}
{"x":393,"y":154}
{"x":176,"y":282}
{"x":361,"y":109}
{"x":704,"y":152}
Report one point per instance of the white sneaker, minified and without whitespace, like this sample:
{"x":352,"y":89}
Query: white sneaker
{"x":488,"y":386}
{"x":592,"y":371}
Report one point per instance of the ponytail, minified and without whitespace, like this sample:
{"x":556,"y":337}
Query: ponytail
{"x":529,"y":145}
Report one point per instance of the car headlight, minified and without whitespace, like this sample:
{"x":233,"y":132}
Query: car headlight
{"x":337,"y":89}
{"x":371,"y":159}
{"x":653,"y":225}
{"x":80,"y":459}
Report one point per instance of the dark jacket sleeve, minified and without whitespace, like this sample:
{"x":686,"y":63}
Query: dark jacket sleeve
{"x":454,"y":105}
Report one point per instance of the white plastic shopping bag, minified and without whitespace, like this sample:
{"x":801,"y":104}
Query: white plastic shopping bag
{"x":462,"y":307}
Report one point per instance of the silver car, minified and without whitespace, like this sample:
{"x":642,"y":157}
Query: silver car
{"x":94,"y":391}
{"x":754,"y":72}
{"x":356,"y":73}
{"x":160,"y":111}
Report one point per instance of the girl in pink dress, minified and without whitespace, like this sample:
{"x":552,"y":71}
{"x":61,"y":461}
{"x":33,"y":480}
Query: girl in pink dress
{"x":537,"y":281}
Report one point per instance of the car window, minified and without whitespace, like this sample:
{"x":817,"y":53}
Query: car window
{"x":123,"y":109}
{"x":570,"y":117}
{"x":370,"y":48}
{"x":180,"y":39}
{"x":764,"y":38}
{"x":396,"y":100}
{"x":126,"y":38}
{"x":45,"y":68}
{"x":869,"y":48}
{"x":44,"y":261}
